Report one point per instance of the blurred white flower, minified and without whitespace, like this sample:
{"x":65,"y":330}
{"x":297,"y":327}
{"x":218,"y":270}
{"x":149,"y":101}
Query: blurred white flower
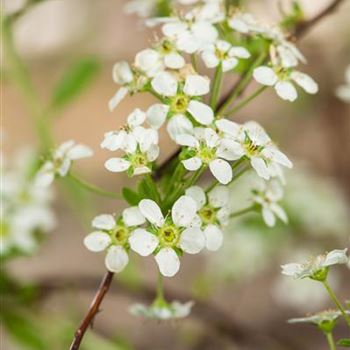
{"x":175,"y":233}
{"x":60,"y":161}
{"x":317,"y":267}
{"x":163,"y":311}
{"x":267,"y":197}
{"x":213,"y":211}
{"x":222,"y":52}
{"x":142,"y":8}
{"x":343,"y":91}
{"x":282,"y":81}
{"x":117,"y":235}
{"x":324,"y":318}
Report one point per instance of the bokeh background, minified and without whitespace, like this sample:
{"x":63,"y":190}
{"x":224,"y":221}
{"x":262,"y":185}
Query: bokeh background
{"x":240,"y":285}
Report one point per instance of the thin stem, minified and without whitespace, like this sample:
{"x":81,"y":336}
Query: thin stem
{"x":337,"y":302}
{"x":216,"y":87}
{"x":243,"y":211}
{"x":330,"y":340}
{"x":194,"y":62}
{"x":160,"y":288}
{"x":245,"y":101}
{"x":153,"y":187}
{"x":93,"y":310}
{"x":93,"y":188}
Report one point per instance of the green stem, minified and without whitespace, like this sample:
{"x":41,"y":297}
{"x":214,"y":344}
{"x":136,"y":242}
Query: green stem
{"x":245,"y":101}
{"x":337,"y":302}
{"x":242,"y":211}
{"x":160,"y":288}
{"x":216,"y":87}
{"x":242,"y":84}
{"x":153,"y":187}
{"x":330,"y":340}
{"x":194,"y":62}
{"x":92,"y":188}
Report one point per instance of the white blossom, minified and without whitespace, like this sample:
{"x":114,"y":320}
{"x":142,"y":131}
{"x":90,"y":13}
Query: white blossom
{"x":213,"y":211}
{"x":320,"y":318}
{"x":116,"y":235}
{"x":177,"y":232}
{"x":282,"y":80}
{"x":316,"y":267}
{"x":343,"y":91}
{"x":222,"y":52}
{"x":60,"y":161}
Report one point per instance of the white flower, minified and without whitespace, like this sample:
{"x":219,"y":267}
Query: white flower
{"x":316,"y":268}
{"x":282,"y":80}
{"x":132,"y":80}
{"x":142,"y":8}
{"x":181,"y":103}
{"x":222,"y":52}
{"x":162,"y":311}
{"x":174,"y":233}
{"x":209,"y":149}
{"x":60,"y":162}
{"x":267,"y":197}
{"x":116,"y":235}
{"x":140,"y":145}
{"x":243,"y":22}
{"x":343,"y":91}
{"x":323,"y":318}
{"x":251,"y":141}
{"x":170,"y":56}
{"x":213,"y":211}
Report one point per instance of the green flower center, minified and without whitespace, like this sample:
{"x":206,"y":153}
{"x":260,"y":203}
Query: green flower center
{"x":139,"y":159}
{"x":119,"y":235}
{"x":169,"y":235}
{"x":166,"y":47}
{"x":207,"y":214}
{"x":220,"y":54}
{"x":179,"y":104}
{"x":206,"y":154}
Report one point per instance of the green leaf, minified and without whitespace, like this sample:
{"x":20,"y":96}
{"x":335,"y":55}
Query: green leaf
{"x":132,"y":197}
{"x":74,"y":80}
{"x":344,"y":342}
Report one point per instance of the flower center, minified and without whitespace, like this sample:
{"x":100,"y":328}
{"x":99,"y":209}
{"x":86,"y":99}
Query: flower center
{"x":206,"y":153}
{"x":207,"y":214}
{"x":220,"y":54}
{"x":166,"y":46}
{"x":119,"y":235}
{"x":169,"y":235}
{"x":179,"y":104}
{"x":139,"y":160}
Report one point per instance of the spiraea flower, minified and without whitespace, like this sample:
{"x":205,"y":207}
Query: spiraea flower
{"x":162,"y":310}
{"x":252,"y":142}
{"x":117,"y":235}
{"x":60,"y":161}
{"x":343,"y":91}
{"x":317,"y":267}
{"x":181,"y":104}
{"x":213,"y":210}
{"x":282,"y":80}
{"x":207,"y":148}
{"x":139,"y":144}
{"x":176,"y":233}
{"x":223,"y":53}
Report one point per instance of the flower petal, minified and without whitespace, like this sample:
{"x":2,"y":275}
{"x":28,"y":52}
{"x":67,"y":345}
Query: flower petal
{"x":201,"y":112}
{"x":260,"y":167}
{"x":151,"y":211}
{"x":136,"y":117}
{"x":117,"y":165}
{"x":286,"y":91}
{"x":192,"y":164}
{"x":187,"y":140}
{"x":116,"y":259}
{"x":117,"y":98}
{"x":192,"y":240}
{"x":221,"y":170}
{"x":228,"y":127}
{"x":214,"y":237}
{"x":103,"y":222}
{"x":97,"y":241}
{"x":265,"y":75}
{"x":143,"y":242}
{"x":269,"y":217}
{"x":219,"y":196}
{"x":174,"y":60}
{"x":168,"y":262}
{"x":183,"y":211}
{"x":198,"y":194}
{"x":196,"y":85}
{"x":133,"y":217}
{"x":156,"y":115}
{"x":179,"y":124}
{"x":305,"y":81}
{"x":164,"y":84}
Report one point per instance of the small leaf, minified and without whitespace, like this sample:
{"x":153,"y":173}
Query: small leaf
{"x":344,"y":342}
{"x":132,"y":197}
{"x":74,"y":80}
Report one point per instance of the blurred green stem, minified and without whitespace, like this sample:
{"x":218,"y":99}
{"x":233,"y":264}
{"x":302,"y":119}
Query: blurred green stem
{"x":243,"y":211}
{"x":216,"y":87}
{"x":330,"y":340}
{"x":336,"y":302}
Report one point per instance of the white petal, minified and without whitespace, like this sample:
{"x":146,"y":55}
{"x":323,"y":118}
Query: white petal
{"x":114,"y":140}
{"x":164,"y":84}
{"x":192,"y":240}
{"x":117,"y":165}
{"x":265,"y":75}
{"x":116,"y":259}
{"x":187,"y":140}
{"x":136,"y":117}
{"x":187,"y":42}
{"x":149,"y":61}
{"x":336,"y":256}
{"x":260,"y":167}
{"x":143,"y":242}
{"x":292,"y":269}
{"x":198,"y":194}
{"x":279,"y":212}
{"x":204,"y":32}
{"x":214,"y":237}
{"x":103,"y":222}
{"x":174,"y":29}
{"x":276,"y":155}
{"x":153,"y":153}
{"x":305,"y":81}
{"x":133,"y":217}
{"x":239,"y":51}
{"x":97,"y":241}
{"x":156,"y":115}
{"x":122,"y":73}
{"x":183,"y":211}
{"x":269,"y":217}
{"x":196,"y":85}
{"x":151,"y":211}
{"x":229,"y":63}
{"x":201,"y":112}
{"x":174,"y":60}
{"x":210,"y":59}
{"x":211,"y":137}
{"x":229,"y":150}
{"x":221,"y":170}
{"x":168,"y":262}
{"x":179,"y":124}
{"x":79,"y":151}
{"x":192,"y":164}
{"x":117,"y":98}
{"x":219,"y":196}
{"x":142,"y":170}
{"x":228,"y":127}
{"x":286,"y":91}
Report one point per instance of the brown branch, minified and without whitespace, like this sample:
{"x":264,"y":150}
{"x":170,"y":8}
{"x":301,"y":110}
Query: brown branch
{"x":93,"y":310}
{"x":301,"y":29}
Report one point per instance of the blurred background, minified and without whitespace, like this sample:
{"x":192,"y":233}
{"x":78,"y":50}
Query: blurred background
{"x":243,"y":302}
